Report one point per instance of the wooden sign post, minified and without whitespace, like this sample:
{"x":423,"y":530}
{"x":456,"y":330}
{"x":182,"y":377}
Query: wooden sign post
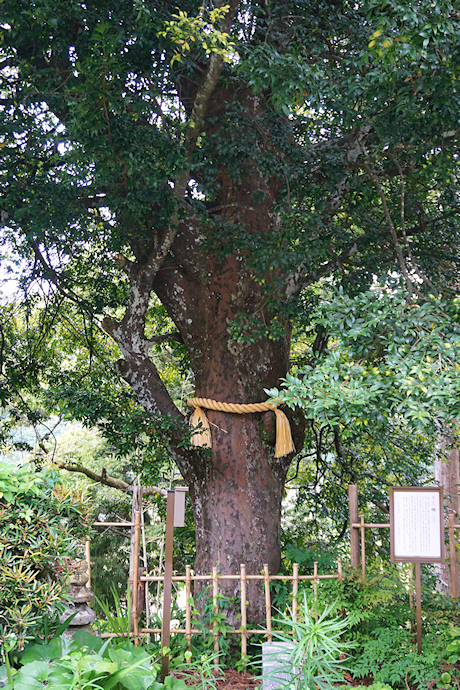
{"x":175,"y":511}
{"x":417,"y":533}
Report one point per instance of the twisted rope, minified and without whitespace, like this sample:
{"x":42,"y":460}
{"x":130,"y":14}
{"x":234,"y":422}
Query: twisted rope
{"x":201,"y":435}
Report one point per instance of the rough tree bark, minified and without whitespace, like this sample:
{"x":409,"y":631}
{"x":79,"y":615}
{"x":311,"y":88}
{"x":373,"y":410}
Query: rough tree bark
{"x":447,"y":474}
{"x":236,"y":488}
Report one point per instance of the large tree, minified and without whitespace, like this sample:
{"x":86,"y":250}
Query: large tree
{"x":211,"y":166}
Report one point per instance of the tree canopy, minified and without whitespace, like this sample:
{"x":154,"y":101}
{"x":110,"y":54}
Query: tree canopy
{"x":199,"y":177}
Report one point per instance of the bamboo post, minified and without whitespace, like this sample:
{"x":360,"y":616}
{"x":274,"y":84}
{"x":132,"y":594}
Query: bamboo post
{"x":88,"y":560}
{"x":188,"y":613}
{"x":315,"y":589}
{"x":135,"y":612}
{"x":363,"y":547}
{"x":339,"y":569}
{"x":268,"y":606}
{"x":354,"y":518}
{"x":215,"y":633}
{"x":146,"y":588}
{"x":244,"y":635}
{"x":160,"y":563}
{"x":452,"y":557}
{"x":295,"y":590}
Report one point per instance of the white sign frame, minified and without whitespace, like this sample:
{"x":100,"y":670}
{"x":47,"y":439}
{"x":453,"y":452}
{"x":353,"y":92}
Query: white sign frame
{"x":417,"y":524}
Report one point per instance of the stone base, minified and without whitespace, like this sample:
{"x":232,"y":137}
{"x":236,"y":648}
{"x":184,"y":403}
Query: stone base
{"x":70,"y":632}
{"x":276,"y":664}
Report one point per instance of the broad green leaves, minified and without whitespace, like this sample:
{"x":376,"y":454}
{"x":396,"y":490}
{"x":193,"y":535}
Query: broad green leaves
{"x":85,"y":662}
{"x":388,"y":355}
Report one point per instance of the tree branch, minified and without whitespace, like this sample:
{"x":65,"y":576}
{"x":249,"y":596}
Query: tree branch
{"x":389,"y":221}
{"x":107,"y":480}
{"x":166,"y":338}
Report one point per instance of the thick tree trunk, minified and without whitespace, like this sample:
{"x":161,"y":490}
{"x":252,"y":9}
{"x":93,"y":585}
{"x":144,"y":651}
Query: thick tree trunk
{"x":206,"y":284}
{"x":237,"y":489}
{"x":237,"y":505}
{"x":447,"y":474}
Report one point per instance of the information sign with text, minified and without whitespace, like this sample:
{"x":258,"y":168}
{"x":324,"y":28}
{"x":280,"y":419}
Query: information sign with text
{"x":417,"y":524}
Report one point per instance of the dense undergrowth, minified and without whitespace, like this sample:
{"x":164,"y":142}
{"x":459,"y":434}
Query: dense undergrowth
{"x":358,"y":631}
{"x":355,"y":630}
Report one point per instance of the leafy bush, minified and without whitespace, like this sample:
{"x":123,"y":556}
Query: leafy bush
{"x":382,"y":628}
{"x":87,"y":661}
{"x":42,"y":526}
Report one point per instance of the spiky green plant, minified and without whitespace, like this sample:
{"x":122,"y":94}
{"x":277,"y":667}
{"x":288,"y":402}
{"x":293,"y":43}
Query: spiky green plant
{"x":315,"y":656}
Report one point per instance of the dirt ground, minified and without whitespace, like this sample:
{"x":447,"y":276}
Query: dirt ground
{"x":233,"y":680}
{"x":229,"y":680}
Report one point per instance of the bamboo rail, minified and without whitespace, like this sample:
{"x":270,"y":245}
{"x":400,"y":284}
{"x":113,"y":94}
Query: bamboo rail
{"x":450,"y":528}
{"x":214,"y":578}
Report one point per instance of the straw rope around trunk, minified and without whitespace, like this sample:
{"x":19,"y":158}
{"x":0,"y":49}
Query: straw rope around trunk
{"x":202,"y":436}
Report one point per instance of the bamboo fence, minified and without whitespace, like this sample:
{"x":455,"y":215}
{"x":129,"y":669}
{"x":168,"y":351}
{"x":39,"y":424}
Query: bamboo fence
{"x":215,"y":580}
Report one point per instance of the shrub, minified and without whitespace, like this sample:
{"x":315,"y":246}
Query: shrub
{"x":41,"y":527}
{"x":383,"y":629}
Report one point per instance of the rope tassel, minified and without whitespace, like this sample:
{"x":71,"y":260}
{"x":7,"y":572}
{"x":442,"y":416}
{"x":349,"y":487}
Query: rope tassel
{"x":284,"y":444}
{"x":202,"y":436}
{"x":201,"y":431}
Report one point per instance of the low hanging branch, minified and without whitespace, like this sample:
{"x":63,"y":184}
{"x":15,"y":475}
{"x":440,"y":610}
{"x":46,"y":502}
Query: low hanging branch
{"x":107,"y":480}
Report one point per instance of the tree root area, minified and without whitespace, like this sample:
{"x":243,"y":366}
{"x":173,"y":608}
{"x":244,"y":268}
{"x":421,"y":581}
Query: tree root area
{"x":229,"y":679}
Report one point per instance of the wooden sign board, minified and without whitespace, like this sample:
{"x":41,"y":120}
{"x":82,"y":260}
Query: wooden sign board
{"x":179,"y":505}
{"x":417,"y":524}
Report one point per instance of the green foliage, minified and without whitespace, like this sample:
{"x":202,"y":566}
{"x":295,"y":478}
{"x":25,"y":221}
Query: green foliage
{"x":453,"y":648}
{"x":109,"y":547}
{"x":315,"y":516}
{"x":373,"y":686}
{"x":57,"y":366}
{"x":381,"y":626}
{"x":388,"y":356}
{"x":199,"y":669}
{"x":85,"y":662}
{"x":207,"y":618}
{"x":117,"y":621}
{"x":388,"y":654}
{"x":42,"y":526}
{"x":187,"y":32}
